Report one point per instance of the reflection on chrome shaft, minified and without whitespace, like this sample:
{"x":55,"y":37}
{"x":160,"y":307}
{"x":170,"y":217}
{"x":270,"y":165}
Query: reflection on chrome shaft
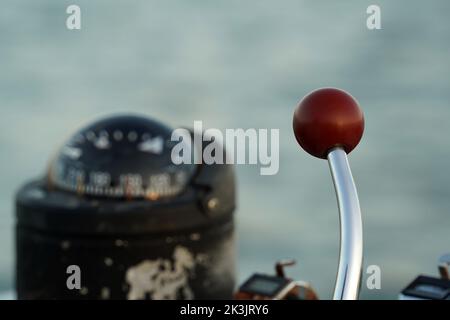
{"x":351,"y":247}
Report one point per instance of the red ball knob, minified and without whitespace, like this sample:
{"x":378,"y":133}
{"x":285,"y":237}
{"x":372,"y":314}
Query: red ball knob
{"x":328,"y":118}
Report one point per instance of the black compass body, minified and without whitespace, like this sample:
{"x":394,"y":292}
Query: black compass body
{"x":115,"y":218}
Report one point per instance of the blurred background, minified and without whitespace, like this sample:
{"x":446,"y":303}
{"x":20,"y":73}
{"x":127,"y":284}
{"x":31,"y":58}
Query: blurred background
{"x":246,"y":64}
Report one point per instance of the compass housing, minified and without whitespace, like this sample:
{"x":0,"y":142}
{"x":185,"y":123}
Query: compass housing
{"x":112,"y":193}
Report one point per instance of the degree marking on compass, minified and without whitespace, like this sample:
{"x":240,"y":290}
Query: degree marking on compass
{"x":132,"y":136}
{"x":118,"y":135}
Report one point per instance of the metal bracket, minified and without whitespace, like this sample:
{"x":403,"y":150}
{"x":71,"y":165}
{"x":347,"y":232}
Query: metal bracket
{"x":444,"y":266}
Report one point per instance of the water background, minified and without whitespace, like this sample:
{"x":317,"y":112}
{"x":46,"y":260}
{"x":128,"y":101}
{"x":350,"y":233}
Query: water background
{"x":246,"y":64}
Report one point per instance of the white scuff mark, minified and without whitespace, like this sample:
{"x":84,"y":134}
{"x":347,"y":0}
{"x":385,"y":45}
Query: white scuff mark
{"x":195,"y":236}
{"x":105,"y":293}
{"x":65,"y":245}
{"x":169,"y":239}
{"x":162,"y":278}
{"x":203,"y":259}
{"x":84,"y":291}
{"x":108,"y":261}
{"x":121,"y":243}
